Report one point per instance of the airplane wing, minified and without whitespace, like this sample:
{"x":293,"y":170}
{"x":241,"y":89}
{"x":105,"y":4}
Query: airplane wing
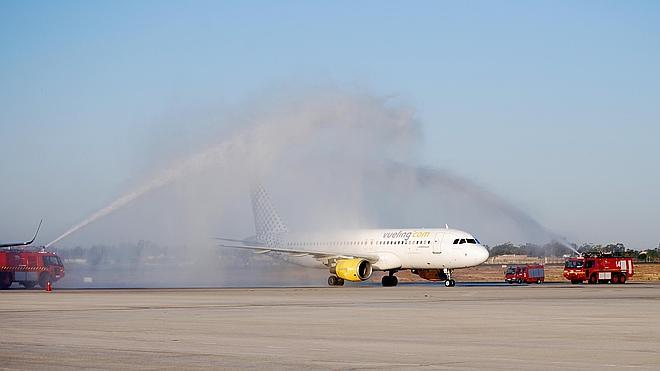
{"x":262,"y":249}
{"x":23,"y":243}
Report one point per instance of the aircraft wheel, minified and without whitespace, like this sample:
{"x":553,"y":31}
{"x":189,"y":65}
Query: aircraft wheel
{"x":389,"y":281}
{"x":340,"y":281}
{"x":333,"y":280}
{"x":450,"y":283}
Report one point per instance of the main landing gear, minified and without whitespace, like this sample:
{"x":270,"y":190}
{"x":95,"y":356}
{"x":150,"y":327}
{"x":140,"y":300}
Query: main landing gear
{"x":335,"y":281}
{"x":390,"y":279}
{"x":449,"y":282}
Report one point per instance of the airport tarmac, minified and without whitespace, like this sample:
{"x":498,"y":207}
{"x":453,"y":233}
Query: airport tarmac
{"x":406,"y":327}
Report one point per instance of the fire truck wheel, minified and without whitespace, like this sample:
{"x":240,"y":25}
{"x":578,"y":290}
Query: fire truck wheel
{"x":575,"y":282}
{"x":622,"y":279}
{"x":5,"y":280}
{"x":615,"y":279}
{"x":43,"y":280}
{"x":28,"y":284}
{"x":520,"y":280}
{"x":538,"y":282}
{"x":593,"y":279}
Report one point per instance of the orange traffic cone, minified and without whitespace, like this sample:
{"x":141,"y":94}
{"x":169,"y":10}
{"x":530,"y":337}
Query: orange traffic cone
{"x":49,"y":287}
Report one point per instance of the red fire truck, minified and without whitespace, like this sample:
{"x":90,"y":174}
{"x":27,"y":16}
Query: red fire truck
{"x":598,"y":269}
{"x":28,"y":266}
{"x":529,"y":273}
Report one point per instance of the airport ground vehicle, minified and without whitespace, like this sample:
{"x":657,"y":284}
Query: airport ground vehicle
{"x":598,"y":269}
{"x":529,"y":273}
{"x":29,"y":267}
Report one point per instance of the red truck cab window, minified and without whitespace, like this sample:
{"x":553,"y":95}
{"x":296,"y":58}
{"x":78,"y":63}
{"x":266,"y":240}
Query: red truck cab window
{"x":52,"y":260}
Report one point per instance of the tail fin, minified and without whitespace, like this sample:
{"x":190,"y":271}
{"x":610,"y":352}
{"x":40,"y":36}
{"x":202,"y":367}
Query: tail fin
{"x":267,"y":222}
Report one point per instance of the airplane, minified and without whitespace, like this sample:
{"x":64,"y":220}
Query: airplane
{"x":26,"y":243}
{"x":353,"y":256}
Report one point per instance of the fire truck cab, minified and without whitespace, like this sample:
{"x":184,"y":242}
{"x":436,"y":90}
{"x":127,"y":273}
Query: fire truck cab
{"x":29,"y":268}
{"x":598,"y":269}
{"x":530,"y":273}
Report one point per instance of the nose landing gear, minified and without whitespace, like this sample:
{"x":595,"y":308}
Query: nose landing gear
{"x":449,"y":282}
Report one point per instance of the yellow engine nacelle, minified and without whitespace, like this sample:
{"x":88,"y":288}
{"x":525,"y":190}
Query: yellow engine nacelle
{"x":353,"y":269}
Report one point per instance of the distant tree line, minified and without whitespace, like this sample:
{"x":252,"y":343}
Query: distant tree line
{"x":551,"y":249}
{"x":556,"y":249}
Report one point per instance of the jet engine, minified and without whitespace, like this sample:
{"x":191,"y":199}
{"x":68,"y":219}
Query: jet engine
{"x":353,"y":269}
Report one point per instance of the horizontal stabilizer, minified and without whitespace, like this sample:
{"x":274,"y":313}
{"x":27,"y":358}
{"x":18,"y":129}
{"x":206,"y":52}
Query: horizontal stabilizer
{"x":246,"y":242}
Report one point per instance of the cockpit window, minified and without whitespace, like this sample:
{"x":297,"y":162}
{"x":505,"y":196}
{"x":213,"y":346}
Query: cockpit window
{"x":466,"y":240}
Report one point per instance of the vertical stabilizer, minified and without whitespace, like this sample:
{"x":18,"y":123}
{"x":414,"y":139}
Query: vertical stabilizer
{"x":267,"y":222}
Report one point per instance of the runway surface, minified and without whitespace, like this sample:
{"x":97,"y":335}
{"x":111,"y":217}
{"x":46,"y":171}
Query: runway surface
{"x":405,"y":327}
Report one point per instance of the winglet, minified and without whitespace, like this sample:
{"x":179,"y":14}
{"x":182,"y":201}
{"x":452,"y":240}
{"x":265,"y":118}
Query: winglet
{"x":35,"y":233}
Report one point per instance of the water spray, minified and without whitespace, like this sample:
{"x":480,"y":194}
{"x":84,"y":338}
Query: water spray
{"x":195,"y":163}
{"x":371,"y":125}
{"x":565,"y":243}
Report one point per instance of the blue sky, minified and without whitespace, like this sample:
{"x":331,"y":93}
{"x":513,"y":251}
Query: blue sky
{"x":553,"y":105}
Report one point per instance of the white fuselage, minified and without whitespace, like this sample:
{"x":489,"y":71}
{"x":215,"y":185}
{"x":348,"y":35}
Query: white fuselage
{"x":395,"y":248}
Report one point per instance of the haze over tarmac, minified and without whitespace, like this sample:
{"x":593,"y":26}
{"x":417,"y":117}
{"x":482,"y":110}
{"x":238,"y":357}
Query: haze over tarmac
{"x":532,"y":118}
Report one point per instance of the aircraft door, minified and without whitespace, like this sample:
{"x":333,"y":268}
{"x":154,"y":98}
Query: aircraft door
{"x":437,"y":243}
{"x":371,"y":245}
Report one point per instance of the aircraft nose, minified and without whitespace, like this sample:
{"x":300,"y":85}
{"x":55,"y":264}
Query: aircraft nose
{"x":482,"y":254}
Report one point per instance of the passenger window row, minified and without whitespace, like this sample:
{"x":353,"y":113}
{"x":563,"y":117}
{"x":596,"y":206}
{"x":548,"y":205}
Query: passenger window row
{"x":344,"y":243}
